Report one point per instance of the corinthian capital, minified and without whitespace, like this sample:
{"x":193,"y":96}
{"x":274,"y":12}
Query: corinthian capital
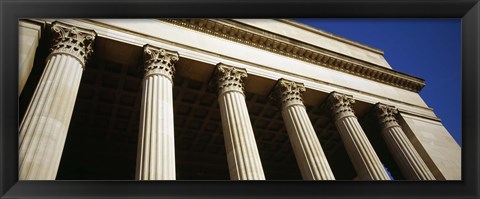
{"x":230,"y":78}
{"x":159,"y":61}
{"x":76,"y":42}
{"x":340,"y":105}
{"x":386,"y":115}
{"x":287,"y":93}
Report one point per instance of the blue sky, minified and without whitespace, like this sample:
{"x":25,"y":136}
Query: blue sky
{"x":425,"y":48}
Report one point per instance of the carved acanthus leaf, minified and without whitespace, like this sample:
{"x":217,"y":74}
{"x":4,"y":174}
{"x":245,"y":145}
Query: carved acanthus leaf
{"x":73,"y":41}
{"x":287,"y":93}
{"x":386,"y":115}
{"x":159,"y":61}
{"x":340,"y":105}
{"x":230,"y":78}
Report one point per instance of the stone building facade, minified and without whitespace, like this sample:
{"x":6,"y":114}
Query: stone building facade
{"x":243,"y":99}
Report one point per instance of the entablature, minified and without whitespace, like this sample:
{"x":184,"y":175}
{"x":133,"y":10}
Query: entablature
{"x":303,"y":51}
{"x":265,"y":66}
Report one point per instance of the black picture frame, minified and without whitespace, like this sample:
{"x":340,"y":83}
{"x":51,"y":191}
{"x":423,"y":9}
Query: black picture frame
{"x":11,"y":11}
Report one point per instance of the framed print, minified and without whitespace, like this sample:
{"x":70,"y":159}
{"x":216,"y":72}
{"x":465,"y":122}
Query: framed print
{"x":228,"y":99}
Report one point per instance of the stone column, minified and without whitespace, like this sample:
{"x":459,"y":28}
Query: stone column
{"x":404,"y":153}
{"x":363,"y":156}
{"x":28,"y":38}
{"x":309,"y":153}
{"x":44,"y":128}
{"x":156,"y":149}
{"x":242,"y":153}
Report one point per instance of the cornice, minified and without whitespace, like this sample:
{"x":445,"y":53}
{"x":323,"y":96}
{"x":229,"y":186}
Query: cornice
{"x":330,"y":35}
{"x":279,"y":44}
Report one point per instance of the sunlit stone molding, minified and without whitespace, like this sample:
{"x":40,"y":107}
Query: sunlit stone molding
{"x":44,"y":128}
{"x":310,"y":157}
{"x":364,"y":158}
{"x":28,"y":41}
{"x":156,"y":146}
{"x":404,"y":153}
{"x":241,"y":148}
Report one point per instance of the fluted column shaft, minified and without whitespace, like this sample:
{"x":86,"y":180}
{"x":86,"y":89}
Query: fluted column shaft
{"x":242,"y":153}
{"x":411,"y":164}
{"x":156,"y":146}
{"x":44,"y":128}
{"x":364,"y":158}
{"x":310,"y":157}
